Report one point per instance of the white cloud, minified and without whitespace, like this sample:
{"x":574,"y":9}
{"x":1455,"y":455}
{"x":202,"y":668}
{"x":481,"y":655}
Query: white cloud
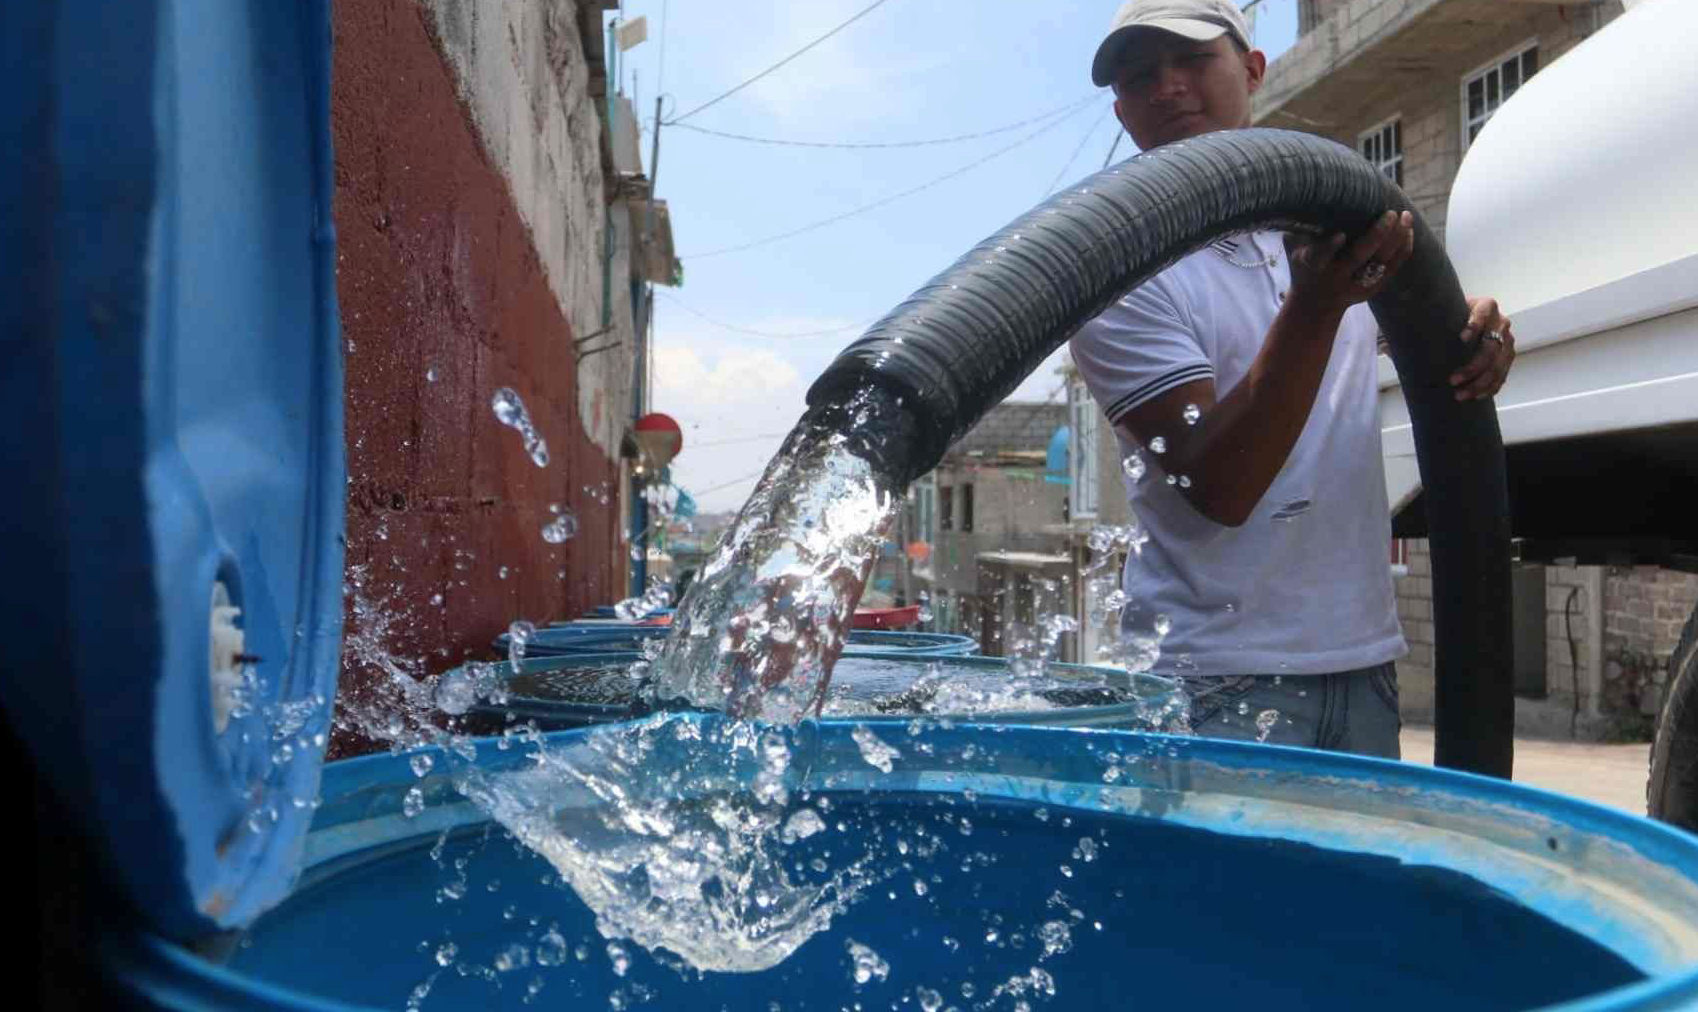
{"x":736,"y":397}
{"x":856,"y":73}
{"x":710,"y":385}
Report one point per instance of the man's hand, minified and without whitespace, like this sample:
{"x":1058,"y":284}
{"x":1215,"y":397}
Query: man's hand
{"x":1328,"y":277}
{"x":1484,"y":374}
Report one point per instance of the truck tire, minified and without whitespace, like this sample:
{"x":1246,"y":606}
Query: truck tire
{"x":1671,"y":794}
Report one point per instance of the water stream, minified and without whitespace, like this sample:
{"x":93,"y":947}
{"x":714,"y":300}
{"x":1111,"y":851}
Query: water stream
{"x":688,"y":842}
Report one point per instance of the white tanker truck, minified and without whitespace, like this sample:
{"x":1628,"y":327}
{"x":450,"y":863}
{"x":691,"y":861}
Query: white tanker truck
{"x":1577,"y":207}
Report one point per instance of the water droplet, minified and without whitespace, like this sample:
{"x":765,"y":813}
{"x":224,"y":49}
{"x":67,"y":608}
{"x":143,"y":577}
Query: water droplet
{"x":436,"y":600}
{"x":1192,"y":413}
{"x":805,"y":823}
{"x":421,"y":764}
{"x":1158,"y":445}
{"x":1163,"y":625}
{"x":1057,"y":938}
{"x":930,"y":1001}
{"x":620,"y":957}
{"x":510,"y":410}
{"x":551,"y":949}
{"x":874,"y":751}
{"x":519,"y":635}
{"x":430,"y":375}
{"x":1171,"y":480}
{"x":1133,"y":466}
{"x":1243,"y":709}
{"x":412,"y":803}
{"x":867,"y":964}
{"x":514,"y":957}
{"x":446,"y":952}
{"x":1184,"y":481}
{"x":561,"y":529}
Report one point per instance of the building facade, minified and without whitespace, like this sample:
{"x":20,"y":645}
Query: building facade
{"x":495,"y":230}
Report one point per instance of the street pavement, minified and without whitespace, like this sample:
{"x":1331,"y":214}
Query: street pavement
{"x":1611,"y":775}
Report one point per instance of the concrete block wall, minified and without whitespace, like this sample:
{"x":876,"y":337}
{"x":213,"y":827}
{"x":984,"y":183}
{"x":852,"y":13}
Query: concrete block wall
{"x":1645,"y":610}
{"x":1639,"y":613}
{"x":454,"y":280}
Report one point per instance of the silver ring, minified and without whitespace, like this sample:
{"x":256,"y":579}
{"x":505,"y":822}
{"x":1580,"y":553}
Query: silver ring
{"x":1370,"y":273}
{"x":1492,"y":335}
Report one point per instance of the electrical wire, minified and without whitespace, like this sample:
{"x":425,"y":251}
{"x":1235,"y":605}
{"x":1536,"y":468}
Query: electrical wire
{"x":734,"y":442}
{"x":834,"y":219}
{"x":885,"y":145}
{"x":1112,"y":148}
{"x":758,"y":333}
{"x":725,"y":95}
{"x":1089,"y":133}
{"x":726,"y":485}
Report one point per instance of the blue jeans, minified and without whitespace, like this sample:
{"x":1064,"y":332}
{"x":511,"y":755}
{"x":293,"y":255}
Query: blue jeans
{"x":1353,"y":711}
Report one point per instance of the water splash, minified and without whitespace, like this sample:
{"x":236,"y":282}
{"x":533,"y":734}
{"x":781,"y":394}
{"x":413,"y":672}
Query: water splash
{"x":510,"y":411}
{"x":645,"y":822}
{"x":770,"y":611}
{"x":652,"y":600}
{"x":519,"y":635}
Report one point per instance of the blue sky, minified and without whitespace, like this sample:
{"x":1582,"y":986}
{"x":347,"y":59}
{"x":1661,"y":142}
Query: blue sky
{"x":910,"y":70}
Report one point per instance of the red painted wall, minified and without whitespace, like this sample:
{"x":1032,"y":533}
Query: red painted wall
{"x":437,"y":271}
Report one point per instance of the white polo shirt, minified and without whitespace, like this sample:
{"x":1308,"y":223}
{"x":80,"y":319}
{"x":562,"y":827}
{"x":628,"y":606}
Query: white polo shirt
{"x":1304,"y":586}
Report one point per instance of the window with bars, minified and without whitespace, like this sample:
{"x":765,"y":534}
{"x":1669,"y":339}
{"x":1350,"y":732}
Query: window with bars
{"x":1486,"y":90}
{"x":967,"y":507}
{"x":1383,"y":145}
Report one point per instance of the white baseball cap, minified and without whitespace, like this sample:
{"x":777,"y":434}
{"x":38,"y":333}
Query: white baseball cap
{"x":1201,"y":20}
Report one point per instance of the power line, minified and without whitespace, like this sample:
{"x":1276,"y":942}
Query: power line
{"x":735,"y":481}
{"x":714,"y":101}
{"x":758,"y":333}
{"x":857,"y":146}
{"x":1075,"y":156}
{"x":890,"y":199}
{"x":1112,"y":148}
{"x":734,"y":442}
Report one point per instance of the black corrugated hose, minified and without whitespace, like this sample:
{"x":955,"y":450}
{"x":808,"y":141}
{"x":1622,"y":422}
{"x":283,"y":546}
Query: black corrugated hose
{"x":959,"y":345}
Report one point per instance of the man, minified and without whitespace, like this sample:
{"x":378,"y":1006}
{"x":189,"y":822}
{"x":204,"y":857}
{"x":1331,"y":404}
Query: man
{"x":1245,"y":377}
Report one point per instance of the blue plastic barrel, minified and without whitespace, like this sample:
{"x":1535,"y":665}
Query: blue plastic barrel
{"x":581,"y":690}
{"x":602,"y":637}
{"x":609,"y":611}
{"x":1155,"y":872}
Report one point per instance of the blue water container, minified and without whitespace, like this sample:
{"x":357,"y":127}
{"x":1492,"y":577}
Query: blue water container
{"x":1077,"y":869}
{"x":598,"y":637}
{"x":581,"y":690}
{"x":171,"y":395}
{"x":605,"y":611}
